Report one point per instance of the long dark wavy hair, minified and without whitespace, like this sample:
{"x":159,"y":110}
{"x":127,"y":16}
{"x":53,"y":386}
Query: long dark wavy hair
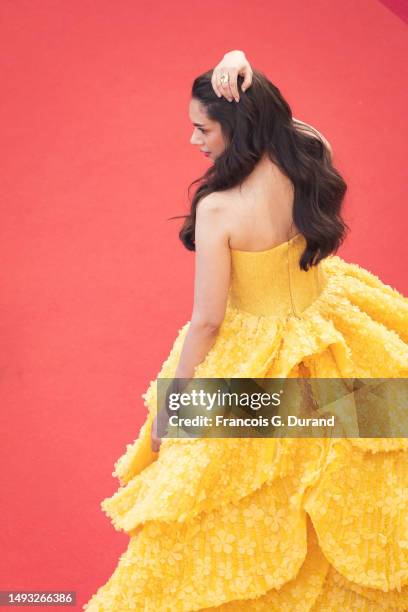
{"x":261,"y":122}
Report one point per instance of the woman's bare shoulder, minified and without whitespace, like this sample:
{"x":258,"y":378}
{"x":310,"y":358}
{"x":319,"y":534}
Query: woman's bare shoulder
{"x":215,"y":201}
{"x":216,"y":208}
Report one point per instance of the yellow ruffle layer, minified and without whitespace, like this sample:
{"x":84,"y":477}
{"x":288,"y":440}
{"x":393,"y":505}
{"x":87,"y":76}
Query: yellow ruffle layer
{"x":356,"y":328}
{"x":256,"y":552}
{"x":238,"y":551}
{"x":272,"y":524}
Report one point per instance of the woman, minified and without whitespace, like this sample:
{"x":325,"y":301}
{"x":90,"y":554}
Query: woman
{"x":267,"y":523}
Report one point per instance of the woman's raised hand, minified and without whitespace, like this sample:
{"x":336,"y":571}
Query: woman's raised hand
{"x":233,"y":63}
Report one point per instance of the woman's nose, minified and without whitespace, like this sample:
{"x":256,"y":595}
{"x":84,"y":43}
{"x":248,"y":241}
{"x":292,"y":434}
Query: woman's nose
{"x":194,"y":139}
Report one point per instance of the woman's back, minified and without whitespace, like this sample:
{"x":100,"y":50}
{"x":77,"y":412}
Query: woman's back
{"x":259,"y":215}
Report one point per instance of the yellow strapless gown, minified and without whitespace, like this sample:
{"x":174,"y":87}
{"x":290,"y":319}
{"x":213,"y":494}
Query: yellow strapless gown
{"x":273,"y":524}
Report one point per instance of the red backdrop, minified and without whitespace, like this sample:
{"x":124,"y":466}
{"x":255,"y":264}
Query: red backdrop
{"x":95,"y":284}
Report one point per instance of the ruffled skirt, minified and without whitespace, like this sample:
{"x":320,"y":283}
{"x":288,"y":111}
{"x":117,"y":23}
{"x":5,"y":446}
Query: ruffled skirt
{"x":272,"y":524}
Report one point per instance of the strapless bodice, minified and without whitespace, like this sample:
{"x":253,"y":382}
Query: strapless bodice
{"x":271,"y":282}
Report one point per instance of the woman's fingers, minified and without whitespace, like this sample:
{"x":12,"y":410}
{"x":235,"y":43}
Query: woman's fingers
{"x":226,"y":91}
{"x":160,"y":424}
{"x":224,"y":78}
{"x":233,"y":85}
{"x":220,"y":84}
{"x":214,"y":83}
{"x":155,"y":441}
{"x":247,"y":74}
{"x":155,"y":444}
{"x":224,"y":82}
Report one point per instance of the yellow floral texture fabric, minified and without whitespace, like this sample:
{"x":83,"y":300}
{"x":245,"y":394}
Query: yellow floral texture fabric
{"x":279,"y":524}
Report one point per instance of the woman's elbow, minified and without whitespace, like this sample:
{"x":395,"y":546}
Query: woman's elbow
{"x":206,"y":324}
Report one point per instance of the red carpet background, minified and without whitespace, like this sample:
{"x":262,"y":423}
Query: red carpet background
{"x":94,"y":281}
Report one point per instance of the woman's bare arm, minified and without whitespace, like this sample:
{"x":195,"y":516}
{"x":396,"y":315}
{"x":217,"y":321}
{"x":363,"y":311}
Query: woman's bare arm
{"x":211,"y":285}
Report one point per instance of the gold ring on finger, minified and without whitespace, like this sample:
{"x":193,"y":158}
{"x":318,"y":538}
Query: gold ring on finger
{"x":224,"y":79}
